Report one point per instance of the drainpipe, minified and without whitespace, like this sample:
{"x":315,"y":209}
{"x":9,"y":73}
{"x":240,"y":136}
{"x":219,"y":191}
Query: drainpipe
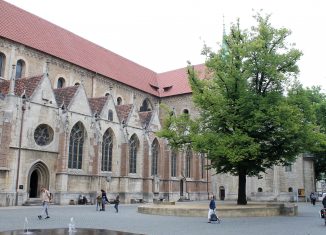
{"x":207,"y":178}
{"x":19,"y":146}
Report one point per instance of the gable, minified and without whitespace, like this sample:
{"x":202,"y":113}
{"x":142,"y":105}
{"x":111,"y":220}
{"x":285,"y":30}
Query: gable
{"x":79,"y":102}
{"x":154,"y":123}
{"x":109,"y":105}
{"x":134,"y":118}
{"x":44,"y":94}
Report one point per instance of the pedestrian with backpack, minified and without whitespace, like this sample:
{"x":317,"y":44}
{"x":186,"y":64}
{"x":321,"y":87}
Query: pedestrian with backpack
{"x":46,"y":197}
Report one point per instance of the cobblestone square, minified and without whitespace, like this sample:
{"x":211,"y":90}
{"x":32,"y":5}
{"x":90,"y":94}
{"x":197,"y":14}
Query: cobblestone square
{"x":128,"y":219}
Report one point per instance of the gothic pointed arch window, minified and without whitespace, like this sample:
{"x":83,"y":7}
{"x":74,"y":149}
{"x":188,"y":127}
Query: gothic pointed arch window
{"x":2,"y":64}
{"x":20,"y":69}
{"x":146,"y":106}
{"x":155,"y":156}
{"x":76,"y":146}
{"x":107,"y":151}
{"x":188,"y":162}
{"x":174,"y":163}
{"x":133,"y":148}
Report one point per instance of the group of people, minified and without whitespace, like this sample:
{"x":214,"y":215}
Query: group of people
{"x":102,"y":199}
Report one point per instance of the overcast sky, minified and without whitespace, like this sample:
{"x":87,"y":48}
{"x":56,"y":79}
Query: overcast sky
{"x":163,"y":34}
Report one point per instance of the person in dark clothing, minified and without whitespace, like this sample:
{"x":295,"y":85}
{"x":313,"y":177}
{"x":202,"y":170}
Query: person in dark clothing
{"x":324,"y":202}
{"x":313,"y":198}
{"x":116,"y":203}
{"x":211,"y":210}
{"x":104,"y":200}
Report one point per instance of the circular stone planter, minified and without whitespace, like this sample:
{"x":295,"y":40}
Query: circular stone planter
{"x":224,"y":210}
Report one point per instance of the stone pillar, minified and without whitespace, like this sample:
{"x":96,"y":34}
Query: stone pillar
{"x":124,"y":159}
{"x":276,"y":181}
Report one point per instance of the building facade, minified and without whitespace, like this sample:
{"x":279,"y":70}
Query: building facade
{"x":77,"y":118}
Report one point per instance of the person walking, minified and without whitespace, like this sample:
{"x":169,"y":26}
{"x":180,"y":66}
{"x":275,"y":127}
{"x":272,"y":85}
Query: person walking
{"x":116,"y":203}
{"x":99,"y":202}
{"x":211,"y":210}
{"x":104,"y":200}
{"x":45,"y":196}
{"x":313,"y":198}
{"x":324,"y":202}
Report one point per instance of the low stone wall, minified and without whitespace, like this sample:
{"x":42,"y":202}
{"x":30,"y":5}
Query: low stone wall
{"x":229,"y":210}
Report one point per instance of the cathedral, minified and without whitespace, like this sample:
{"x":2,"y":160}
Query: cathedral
{"x":77,"y":118}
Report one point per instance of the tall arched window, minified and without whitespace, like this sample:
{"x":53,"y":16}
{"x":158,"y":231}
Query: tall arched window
{"x":155,"y":153}
{"x":107,"y":146}
{"x":202,"y":159}
{"x":61,"y":82}
{"x":76,"y":145}
{"x":110,"y":115}
{"x":188,"y":162}
{"x":133,"y":147}
{"x":2,"y":64}
{"x":20,"y":67}
{"x":174,"y":164}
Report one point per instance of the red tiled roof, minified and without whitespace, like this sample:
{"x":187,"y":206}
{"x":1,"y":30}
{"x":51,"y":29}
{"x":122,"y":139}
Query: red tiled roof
{"x":123,"y":111}
{"x":176,"y":82}
{"x":30,"y":30}
{"x":27,"y":85}
{"x":145,"y":117}
{"x":65,"y":95}
{"x":97,"y":104}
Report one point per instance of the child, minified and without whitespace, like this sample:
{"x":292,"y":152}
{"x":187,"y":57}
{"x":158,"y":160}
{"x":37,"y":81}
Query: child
{"x":116,"y":204}
{"x":98,"y":202}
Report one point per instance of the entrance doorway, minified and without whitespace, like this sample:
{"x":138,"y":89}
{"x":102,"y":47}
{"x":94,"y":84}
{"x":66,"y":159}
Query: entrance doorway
{"x":222,"y":193}
{"x":33,"y":185}
{"x":38,"y":177}
{"x":181,"y":188}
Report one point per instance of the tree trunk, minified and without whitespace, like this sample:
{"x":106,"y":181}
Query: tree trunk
{"x":242,"y":197}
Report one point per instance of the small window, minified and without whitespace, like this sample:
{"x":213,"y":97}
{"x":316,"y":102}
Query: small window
{"x":110,"y":115}
{"x":119,"y":101}
{"x":61,"y":82}
{"x":20,"y":67}
{"x":260,"y":190}
{"x":185,"y":111}
{"x":77,"y":84}
{"x":107,"y":94}
{"x":43,"y":135}
{"x":2,"y":64}
{"x":290,"y":190}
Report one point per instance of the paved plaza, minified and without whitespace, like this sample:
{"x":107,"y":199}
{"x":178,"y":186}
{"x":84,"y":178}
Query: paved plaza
{"x":129,"y":220}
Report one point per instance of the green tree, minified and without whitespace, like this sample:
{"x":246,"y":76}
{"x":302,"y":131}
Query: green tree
{"x":246,"y":123}
{"x":312,"y":104}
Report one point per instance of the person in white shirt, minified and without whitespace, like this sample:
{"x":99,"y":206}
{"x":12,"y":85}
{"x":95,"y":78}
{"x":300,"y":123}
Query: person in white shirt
{"x":45,"y":196}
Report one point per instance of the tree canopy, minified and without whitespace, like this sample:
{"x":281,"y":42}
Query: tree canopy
{"x":247,"y":123}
